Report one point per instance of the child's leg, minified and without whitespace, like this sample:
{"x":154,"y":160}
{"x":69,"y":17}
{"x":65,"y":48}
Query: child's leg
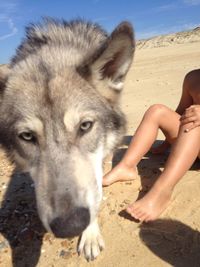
{"x":157,"y":116}
{"x":183,"y":154}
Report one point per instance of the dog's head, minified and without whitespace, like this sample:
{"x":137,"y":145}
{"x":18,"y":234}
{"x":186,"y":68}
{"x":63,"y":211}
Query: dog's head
{"x":59,"y":120}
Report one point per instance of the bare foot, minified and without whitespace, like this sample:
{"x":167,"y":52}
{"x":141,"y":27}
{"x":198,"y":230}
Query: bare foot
{"x":119,"y":173}
{"x":151,"y":205}
{"x":160,"y":149}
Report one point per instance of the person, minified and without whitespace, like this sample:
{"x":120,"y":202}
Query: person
{"x":182,"y":133}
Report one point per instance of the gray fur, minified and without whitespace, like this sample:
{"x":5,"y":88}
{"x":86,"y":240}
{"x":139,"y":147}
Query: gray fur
{"x":62,"y":92}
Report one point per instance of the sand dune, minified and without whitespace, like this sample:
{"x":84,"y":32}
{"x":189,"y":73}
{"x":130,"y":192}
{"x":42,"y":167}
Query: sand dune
{"x":170,"y":39}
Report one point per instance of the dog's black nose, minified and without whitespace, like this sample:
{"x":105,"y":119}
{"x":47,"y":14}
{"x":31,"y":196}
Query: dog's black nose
{"x":71,"y":225}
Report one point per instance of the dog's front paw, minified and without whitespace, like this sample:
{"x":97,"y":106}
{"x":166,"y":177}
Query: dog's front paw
{"x":91,"y":242}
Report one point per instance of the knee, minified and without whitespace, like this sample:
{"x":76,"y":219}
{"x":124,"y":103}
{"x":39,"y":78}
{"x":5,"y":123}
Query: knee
{"x":156,"y":111}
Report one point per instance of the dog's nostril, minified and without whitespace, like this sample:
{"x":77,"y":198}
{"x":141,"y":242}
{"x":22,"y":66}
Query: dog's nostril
{"x":71,"y":224}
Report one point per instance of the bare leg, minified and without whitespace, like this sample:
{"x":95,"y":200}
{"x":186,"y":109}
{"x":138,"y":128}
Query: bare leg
{"x":157,"y":116}
{"x":191,"y":82}
{"x":183,"y":154}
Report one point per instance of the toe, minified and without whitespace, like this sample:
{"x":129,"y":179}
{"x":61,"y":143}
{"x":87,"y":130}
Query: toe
{"x":143,"y":217}
{"x":133,"y":208}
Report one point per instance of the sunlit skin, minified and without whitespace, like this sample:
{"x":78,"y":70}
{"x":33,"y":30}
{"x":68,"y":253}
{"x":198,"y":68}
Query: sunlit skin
{"x":182,"y":132}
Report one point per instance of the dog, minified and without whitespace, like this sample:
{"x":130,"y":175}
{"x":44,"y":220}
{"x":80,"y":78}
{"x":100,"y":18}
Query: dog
{"x":60,"y":116}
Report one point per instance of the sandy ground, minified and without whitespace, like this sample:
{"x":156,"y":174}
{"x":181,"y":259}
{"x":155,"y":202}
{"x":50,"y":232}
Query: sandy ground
{"x":174,"y":240}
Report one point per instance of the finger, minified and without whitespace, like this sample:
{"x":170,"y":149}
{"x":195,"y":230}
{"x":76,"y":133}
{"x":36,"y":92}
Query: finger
{"x":194,"y":125}
{"x":193,"y":109}
{"x":190,"y":107}
{"x":188,"y":120}
{"x":187,"y":114}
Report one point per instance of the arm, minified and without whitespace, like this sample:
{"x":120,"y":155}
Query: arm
{"x":191,"y":114}
{"x":186,"y":99}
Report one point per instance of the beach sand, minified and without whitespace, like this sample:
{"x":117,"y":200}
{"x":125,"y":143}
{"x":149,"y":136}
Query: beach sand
{"x":156,"y":76}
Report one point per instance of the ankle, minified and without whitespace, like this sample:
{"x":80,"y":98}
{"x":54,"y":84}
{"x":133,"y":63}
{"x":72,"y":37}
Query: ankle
{"x":163,"y":187}
{"x":127,"y":165}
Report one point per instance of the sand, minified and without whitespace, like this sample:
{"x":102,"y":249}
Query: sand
{"x":174,"y":240}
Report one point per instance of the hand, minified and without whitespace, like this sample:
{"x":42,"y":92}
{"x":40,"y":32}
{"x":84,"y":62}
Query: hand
{"x":192,"y":117}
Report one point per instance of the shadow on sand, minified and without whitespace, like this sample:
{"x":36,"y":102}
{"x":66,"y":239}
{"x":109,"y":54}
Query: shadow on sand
{"x":19,"y":222}
{"x":173,"y":242}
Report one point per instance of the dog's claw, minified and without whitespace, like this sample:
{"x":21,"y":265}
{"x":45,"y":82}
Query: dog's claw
{"x":101,"y":248}
{"x":91,"y":242}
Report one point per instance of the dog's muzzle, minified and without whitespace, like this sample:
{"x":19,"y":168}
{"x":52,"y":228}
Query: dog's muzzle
{"x":72,"y":224}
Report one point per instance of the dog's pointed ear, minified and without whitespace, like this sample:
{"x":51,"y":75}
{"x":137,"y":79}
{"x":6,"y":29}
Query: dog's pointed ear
{"x":4,"y":72}
{"x":112,"y":63}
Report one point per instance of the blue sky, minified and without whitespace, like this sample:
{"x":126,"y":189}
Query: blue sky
{"x":149,"y":17}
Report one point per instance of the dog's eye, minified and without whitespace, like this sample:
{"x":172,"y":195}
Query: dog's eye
{"x":86,"y":125}
{"x":27,"y":136}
